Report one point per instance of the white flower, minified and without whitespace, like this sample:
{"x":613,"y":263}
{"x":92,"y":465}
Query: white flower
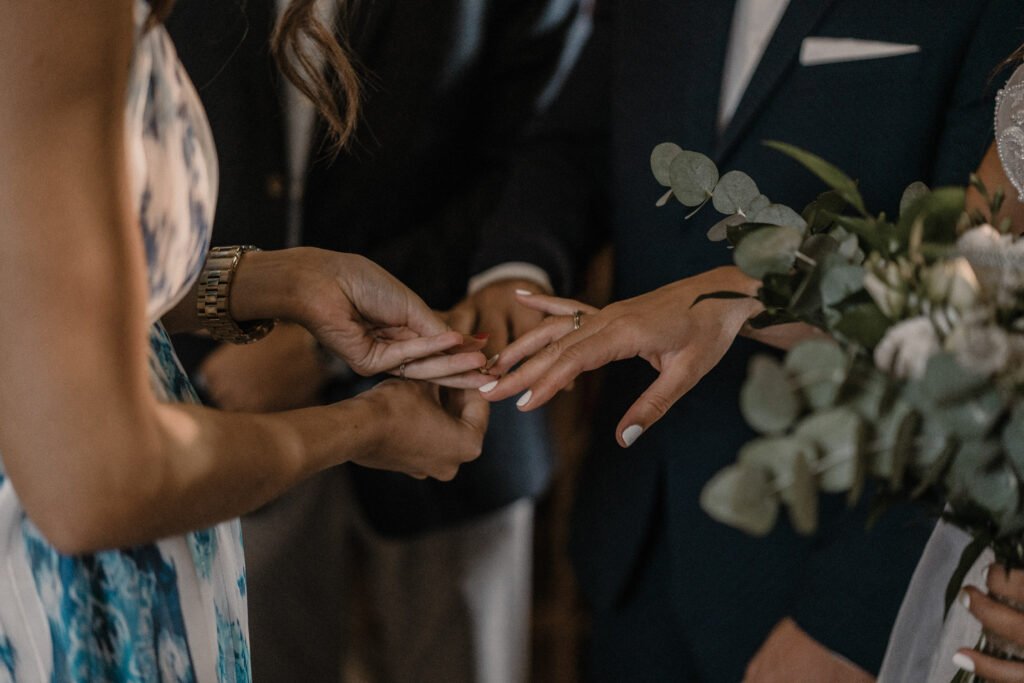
{"x":985,"y":349}
{"x":954,"y":283}
{"x":889,"y":299}
{"x":906,"y":348}
{"x":997,"y":260}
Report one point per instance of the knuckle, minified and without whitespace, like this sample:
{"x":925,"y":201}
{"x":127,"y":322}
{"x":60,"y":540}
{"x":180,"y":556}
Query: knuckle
{"x":658,"y":402}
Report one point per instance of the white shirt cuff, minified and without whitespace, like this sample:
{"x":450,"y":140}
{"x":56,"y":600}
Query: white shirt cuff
{"x":513,"y":270}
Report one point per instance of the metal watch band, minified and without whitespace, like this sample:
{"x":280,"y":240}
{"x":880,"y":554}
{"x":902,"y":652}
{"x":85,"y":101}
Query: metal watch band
{"x":213,"y":297}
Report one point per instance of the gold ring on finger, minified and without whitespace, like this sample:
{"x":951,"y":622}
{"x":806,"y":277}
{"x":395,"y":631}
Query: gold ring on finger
{"x":576,"y":320}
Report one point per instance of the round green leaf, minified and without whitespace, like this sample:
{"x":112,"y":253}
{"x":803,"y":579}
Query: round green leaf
{"x":840,"y":282}
{"x":912,"y":194}
{"x":768,"y":399}
{"x":839,"y":436}
{"x":736,"y":192}
{"x":768,"y":250}
{"x":719,"y":232}
{"x":819,"y":368}
{"x":789,"y":461}
{"x":661,"y":161}
{"x":779,"y":214}
{"x":742,"y":496}
{"x":693,"y":177}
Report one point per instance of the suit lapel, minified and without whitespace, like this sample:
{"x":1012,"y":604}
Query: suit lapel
{"x":779,"y":58}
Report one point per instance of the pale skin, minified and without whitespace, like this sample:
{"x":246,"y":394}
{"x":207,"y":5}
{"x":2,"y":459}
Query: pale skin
{"x":95,"y":459}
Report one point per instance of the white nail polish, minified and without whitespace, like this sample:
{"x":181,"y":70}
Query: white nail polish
{"x":962,"y":661}
{"x":489,"y":387}
{"x":965,"y":599}
{"x":984,"y":574}
{"x":630,"y":434}
{"x":524,"y":292}
{"x":525,"y":398}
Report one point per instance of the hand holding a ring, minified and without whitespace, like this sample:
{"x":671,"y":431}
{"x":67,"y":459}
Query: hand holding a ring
{"x":681,"y":341}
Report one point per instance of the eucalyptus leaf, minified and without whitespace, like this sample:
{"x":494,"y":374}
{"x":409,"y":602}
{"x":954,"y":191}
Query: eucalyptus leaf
{"x":940,"y":211}
{"x":819,"y":368}
{"x":719,"y":232}
{"x":863,"y":324}
{"x":768,"y":400}
{"x":820,"y":214}
{"x":887,"y":437}
{"x":661,"y":161}
{"x":693,"y":177}
{"x":839,"y":436}
{"x":818,"y":247}
{"x":789,"y":460}
{"x":742,"y":497}
{"x":779,"y":214}
{"x":903,"y":448}
{"x":841,"y":282}
{"x":832,"y":176}
{"x":945,"y":382}
{"x":769,"y":250}
{"x":736,"y":192}
{"x":803,"y":500}
{"x":912,"y":194}
{"x":758,"y":203}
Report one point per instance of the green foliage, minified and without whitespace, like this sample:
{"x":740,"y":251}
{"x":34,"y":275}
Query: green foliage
{"x":837,"y":412}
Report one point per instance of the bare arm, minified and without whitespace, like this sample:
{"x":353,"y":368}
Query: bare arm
{"x":95,"y":459}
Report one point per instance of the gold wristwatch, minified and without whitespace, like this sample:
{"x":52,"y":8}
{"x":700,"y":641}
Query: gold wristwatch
{"x":213,"y":298}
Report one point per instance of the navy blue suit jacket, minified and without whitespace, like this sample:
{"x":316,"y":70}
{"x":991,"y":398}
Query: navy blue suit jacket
{"x":652,"y":73}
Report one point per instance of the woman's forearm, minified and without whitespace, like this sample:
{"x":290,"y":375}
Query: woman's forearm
{"x":189,"y":467}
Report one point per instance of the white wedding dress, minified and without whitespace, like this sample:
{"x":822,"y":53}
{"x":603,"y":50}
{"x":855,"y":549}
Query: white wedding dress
{"x":923,"y":642}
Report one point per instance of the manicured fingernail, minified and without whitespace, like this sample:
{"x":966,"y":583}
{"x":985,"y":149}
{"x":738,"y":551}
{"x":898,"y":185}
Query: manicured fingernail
{"x":525,"y":398}
{"x":489,"y":387}
{"x":631,"y":434}
{"x":965,"y":599}
{"x":492,"y":362}
{"x":984,"y":574}
{"x":962,"y":661}
{"x":524,"y":292}
{"x":483,"y":336}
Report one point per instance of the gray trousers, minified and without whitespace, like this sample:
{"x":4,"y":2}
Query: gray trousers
{"x":450,"y":606}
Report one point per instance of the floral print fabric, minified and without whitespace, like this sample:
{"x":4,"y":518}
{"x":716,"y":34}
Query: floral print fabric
{"x":173,"y":610}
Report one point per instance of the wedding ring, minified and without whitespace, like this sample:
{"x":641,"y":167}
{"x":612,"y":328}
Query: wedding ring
{"x":401,"y":371}
{"x":576,"y":320}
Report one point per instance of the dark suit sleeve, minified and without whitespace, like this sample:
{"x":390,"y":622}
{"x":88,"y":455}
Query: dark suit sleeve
{"x":846,"y":602}
{"x":549,"y":212}
{"x":531,"y":44}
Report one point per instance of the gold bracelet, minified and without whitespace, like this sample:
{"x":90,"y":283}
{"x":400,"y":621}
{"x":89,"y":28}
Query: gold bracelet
{"x":213,"y":298}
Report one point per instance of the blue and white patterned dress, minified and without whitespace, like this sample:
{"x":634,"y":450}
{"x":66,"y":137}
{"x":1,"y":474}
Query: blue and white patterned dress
{"x":174,"y":610}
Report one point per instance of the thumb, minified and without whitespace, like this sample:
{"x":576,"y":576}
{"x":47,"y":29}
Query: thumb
{"x":671,"y":385}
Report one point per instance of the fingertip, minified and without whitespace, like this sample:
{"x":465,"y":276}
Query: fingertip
{"x":524,"y":400}
{"x":630,"y":434}
{"x":963,"y":661}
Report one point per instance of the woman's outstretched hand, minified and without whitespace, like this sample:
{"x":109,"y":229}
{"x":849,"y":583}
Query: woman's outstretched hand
{"x":999,"y":618}
{"x":358,"y":312}
{"x":682,"y":341}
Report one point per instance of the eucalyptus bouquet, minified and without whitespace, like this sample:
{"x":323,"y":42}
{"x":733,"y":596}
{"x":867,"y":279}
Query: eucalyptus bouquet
{"x":918,"y":381}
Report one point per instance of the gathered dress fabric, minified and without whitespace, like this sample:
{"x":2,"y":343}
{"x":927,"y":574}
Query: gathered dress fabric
{"x":172,"y":610}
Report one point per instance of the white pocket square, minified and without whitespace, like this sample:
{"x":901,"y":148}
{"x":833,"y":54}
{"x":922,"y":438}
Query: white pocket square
{"x":816,"y":51}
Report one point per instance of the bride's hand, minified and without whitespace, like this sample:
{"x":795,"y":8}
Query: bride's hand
{"x":997,"y":618}
{"x":681,"y":341}
{"x":357,"y":311}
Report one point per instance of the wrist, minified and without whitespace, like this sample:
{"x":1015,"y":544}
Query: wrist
{"x":268,"y":284}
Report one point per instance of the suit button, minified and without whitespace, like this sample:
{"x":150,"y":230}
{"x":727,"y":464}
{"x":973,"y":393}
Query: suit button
{"x":275,"y":186}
